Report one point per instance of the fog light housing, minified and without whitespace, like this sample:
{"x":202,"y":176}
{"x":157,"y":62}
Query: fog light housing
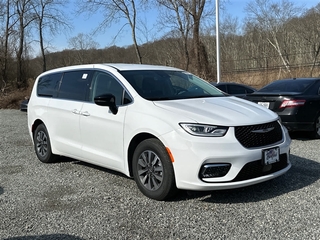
{"x":213,"y":170}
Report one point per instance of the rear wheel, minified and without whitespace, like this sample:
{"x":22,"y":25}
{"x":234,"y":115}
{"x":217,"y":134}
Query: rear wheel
{"x":153,"y":170}
{"x":42,"y":144}
{"x":316,"y":128}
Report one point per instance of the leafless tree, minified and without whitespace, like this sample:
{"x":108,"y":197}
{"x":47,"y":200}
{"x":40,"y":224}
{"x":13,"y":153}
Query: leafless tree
{"x":178,"y":19}
{"x":195,"y":8}
{"x":23,"y":11}
{"x":113,"y":11}
{"x":307,"y":28}
{"x":270,"y":17}
{"x":82,"y":43}
{"x":9,"y":22}
{"x":49,"y":18}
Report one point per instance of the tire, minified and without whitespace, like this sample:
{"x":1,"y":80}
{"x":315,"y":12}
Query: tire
{"x":316,"y":131}
{"x":42,"y":145}
{"x":153,"y":170}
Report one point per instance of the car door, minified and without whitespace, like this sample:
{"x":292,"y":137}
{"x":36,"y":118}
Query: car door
{"x":102,"y":130}
{"x":65,"y":111}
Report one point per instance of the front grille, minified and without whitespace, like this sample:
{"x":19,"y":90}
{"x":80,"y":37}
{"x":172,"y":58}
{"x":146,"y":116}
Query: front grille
{"x":257,"y":169}
{"x":253,"y":136}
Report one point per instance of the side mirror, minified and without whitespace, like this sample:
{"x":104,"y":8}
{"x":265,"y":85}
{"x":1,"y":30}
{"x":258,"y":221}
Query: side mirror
{"x":107,"y":100}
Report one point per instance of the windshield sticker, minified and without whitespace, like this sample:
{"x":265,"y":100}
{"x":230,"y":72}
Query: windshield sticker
{"x":84,"y":76}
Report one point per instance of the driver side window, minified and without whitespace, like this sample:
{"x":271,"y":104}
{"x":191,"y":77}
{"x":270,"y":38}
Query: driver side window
{"x":103,"y":83}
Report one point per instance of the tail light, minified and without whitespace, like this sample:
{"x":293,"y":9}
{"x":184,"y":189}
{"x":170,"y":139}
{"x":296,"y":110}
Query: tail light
{"x":292,"y":103}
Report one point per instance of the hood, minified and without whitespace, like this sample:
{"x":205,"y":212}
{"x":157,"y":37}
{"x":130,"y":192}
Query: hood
{"x":225,"y":111}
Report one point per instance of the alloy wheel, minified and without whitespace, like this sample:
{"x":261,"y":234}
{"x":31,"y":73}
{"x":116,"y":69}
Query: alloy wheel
{"x":150,"y":170}
{"x":42,"y":143}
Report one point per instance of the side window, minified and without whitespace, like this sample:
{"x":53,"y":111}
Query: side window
{"x":248,"y":90}
{"x":48,"y":85}
{"x":233,"y":89}
{"x":104,"y":83}
{"x":74,"y":85}
{"x":315,"y":88}
{"x":126,"y":99}
{"x":222,"y":88}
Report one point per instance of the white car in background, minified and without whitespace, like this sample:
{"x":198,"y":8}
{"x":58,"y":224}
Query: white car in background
{"x":163,"y":126}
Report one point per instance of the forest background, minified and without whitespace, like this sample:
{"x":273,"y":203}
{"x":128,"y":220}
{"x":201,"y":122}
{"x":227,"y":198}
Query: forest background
{"x":277,"y":39}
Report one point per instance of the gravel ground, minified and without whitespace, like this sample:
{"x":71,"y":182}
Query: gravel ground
{"x":73,"y":200}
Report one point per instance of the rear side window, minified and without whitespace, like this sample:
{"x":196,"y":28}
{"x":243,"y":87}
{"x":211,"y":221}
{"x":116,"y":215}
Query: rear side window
{"x":222,"y":88}
{"x":234,"y":89}
{"x":74,"y":85}
{"x":48,"y":85}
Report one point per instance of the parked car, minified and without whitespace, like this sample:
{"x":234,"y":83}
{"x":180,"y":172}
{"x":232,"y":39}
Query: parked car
{"x":235,"y":89}
{"x":296,"y":101}
{"x":24,"y":105}
{"x":162,"y":126}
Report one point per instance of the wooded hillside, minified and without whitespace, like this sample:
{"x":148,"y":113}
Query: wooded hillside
{"x":276,"y":40}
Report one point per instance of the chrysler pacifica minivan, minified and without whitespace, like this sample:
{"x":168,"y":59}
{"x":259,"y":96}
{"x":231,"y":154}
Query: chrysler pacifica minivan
{"x":165,"y":127}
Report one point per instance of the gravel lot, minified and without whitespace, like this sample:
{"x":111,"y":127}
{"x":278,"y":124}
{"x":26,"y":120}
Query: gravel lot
{"x":74,"y":200}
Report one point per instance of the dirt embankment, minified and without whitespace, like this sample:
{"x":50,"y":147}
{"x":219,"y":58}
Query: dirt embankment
{"x":12,"y":100}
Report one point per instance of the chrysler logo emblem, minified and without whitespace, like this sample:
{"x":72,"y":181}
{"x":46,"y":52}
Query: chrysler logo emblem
{"x":263,"y":130}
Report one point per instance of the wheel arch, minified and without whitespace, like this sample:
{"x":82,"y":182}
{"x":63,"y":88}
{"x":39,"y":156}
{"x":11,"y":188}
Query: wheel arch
{"x":133,"y":145}
{"x":315,"y":133}
{"x":35,"y":125}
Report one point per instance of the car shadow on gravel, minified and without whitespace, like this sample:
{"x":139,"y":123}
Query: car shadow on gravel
{"x":303,"y":136}
{"x":74,"y":161}
{"x":45,"y":237}
{"x":303,"y":172}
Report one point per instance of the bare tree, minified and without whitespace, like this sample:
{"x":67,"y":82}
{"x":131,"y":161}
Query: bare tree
{"x":270,"y":16}
{"x":229,"y":32}
{"x":195,"y":8}
{"x":307,"y":28}
{"x":82,"y":43}
{"x":23,"y":10}
{"x":179,"y":20}
{"x":50,"y":18}
{"x":7,"y":16}
{"x":113,"y":11}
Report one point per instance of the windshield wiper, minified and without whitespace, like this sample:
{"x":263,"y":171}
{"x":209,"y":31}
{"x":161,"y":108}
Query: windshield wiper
{"x":158,"y":98}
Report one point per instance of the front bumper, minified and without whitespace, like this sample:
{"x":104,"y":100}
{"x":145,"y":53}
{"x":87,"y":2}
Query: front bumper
{"x":191,"y":153}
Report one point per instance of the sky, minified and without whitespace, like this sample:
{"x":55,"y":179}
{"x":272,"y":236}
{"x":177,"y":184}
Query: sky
{"x":83,"y":24}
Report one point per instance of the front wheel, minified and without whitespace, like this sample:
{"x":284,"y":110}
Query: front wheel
{"x":42,"y":144}
{"x":153,"y":170}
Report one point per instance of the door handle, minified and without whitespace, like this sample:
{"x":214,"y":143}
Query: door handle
{"x":75,"y":111}
{"x":86,"y":114}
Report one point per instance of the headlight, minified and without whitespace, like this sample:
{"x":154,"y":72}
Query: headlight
{"x":204,"y":130}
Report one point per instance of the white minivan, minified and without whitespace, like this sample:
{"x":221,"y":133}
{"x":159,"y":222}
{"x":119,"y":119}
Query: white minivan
{"x":165,"y":127}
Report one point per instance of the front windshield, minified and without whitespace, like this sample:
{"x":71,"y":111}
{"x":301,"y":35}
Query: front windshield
{"x":168,"y":85}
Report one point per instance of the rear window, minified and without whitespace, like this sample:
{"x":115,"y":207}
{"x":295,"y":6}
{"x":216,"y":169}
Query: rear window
{"x":287,"y":86}
{"x":234,"y":89}
{"x":48,"y":85}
